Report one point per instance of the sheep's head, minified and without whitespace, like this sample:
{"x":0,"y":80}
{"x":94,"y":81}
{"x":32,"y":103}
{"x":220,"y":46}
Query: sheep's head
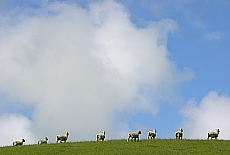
{"x":46,"y":138}
{"x":217,"y":130}
{"x":67,"y":133}
{"x":154,"y":130}
{"x":181,"y":130}
{"x":103,"y":132}
{"x":139,"y":131}
{"x":23,"y":140}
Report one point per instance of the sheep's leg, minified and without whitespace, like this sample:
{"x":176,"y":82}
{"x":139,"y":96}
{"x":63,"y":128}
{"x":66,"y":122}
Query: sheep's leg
{"x":129,"y":137}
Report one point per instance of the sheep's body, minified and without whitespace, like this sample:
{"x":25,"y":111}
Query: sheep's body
{"x":214,"y":134}
{"x":179,"y":134}
{"x":18,"y":142}
{"x":152,"y":134}
{"x":62,"y":138}
{"x":43,"y":141}
{"x":100,"y":136}
{"x":134,"y":135}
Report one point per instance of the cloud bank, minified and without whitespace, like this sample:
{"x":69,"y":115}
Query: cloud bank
{"x":78,"y":67}
{"x":210,"y":113}
{"x":214,"y":36}
{"x":18,"y":125}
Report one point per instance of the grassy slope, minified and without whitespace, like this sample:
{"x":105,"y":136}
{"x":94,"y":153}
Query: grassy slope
{"x":159,"y":147}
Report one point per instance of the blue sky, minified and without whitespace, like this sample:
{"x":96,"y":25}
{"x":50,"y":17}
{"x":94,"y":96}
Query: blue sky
{"x":136,"y":65}
{"x":201,"y":42}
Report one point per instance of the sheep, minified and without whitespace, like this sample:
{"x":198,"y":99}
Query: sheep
{"x":100,"y":136}
{"x":213,"y":134}
{"x":152,"y":134}
{"x":134,"y":135}
{"x":62,"y":138}
{"x":18,"y":142}
{"x":43,"y":141}
{"x":179,"y":134}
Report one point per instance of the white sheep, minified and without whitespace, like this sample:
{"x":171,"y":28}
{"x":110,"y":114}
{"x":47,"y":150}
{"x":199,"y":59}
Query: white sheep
{"x":214,"y":134}
{"x":134,"y":135}
{"x":62,"y":138}
{"x":179,"y":134}
{"x":43,"y":141}
{"x":100,"y":136}
{"x":152,"y":134}
{"x":18,"y":142}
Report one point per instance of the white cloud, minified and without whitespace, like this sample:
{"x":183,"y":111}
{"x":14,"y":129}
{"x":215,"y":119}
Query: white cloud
{"x":79,"y":67}
{"x":15,"y":127}
{"x":158,"y":8}
{"x":211,"y":113}
{"x":214,"y":36}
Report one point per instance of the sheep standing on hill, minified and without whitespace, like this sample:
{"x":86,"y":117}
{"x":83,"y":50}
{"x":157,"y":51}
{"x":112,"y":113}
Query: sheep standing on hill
{"x":214,"y":134}
{"x":43,"y":141}
{"x":134,"y":135}
{"x":100,"y":136}
{"x":152,"y":134}
{"x":179,"y":134}
{"x":62,"y":138}
{"x":18,"y":142}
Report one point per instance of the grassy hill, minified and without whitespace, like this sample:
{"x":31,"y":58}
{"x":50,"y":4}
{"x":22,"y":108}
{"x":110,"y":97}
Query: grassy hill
{"x":159,"y":147}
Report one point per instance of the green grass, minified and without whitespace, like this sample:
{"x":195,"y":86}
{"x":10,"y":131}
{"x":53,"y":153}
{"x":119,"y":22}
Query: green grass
{"x":159,"y":147}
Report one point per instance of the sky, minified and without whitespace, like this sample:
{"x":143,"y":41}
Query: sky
{"x":115,"y":66}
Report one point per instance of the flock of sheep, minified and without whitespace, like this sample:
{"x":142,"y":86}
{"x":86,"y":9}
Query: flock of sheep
{"x":131,"y":136}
